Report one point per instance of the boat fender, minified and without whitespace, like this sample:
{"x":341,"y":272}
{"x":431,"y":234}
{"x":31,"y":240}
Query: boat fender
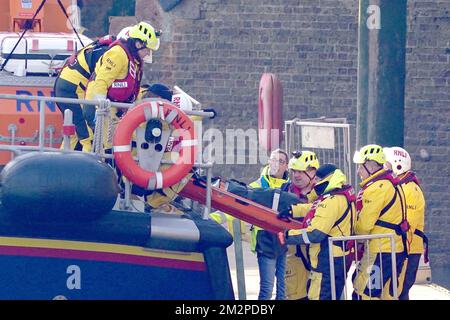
{"x":58,"y":187}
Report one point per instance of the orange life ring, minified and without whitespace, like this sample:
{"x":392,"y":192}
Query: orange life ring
{"x":122,"y":144}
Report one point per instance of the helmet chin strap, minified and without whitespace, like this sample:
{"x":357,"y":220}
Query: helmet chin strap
{"x":310,"y":182}
{"x":148,"y":58}
{"x":310,"y":178}
{"x":141,"y":48}
{"x":367,"y":170}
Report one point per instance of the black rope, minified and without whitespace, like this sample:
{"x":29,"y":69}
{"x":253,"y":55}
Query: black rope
{"x":27,"y":26}
{"x":67,"y":16}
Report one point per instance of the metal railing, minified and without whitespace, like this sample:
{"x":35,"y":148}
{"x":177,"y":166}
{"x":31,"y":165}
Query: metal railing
{"x":239,"y":259}
{"x":102,"y":115}
{"x":365,"y":239}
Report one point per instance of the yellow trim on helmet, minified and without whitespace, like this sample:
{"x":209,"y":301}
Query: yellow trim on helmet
{"x":335,"y":180}
{"x":146,"y":33}
{"x":304,"y":161}
{"x":372,"y":152}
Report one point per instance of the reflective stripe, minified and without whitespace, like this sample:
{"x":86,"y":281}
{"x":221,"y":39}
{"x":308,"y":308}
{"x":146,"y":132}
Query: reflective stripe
{"x":147,"y":113}
{"x":154,"y":107}
{"x":305,"y":237}
{"x":151,"y":183}
{"x":172,"y":115}
{"x":122,"y":148}
{"x":159,"y":180}
{"x":223,"y":217}
{"x":161,"y":112}
{"x":188,"y":143}
{"x":276,"y":200}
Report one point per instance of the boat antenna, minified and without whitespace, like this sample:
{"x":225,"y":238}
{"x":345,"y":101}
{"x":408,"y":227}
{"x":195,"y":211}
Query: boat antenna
{"x":27,"y":26}
{"x":70,"y":21}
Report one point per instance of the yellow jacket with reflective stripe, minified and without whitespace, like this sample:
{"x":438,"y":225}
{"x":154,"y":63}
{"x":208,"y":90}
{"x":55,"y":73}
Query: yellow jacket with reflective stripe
{"x":268,"y":181}
{"x":415,"y":208}
{"x":273,"y":183}
{"x":328,"y":212}
{"x":111,"y":66}
{"x":374,"y":199}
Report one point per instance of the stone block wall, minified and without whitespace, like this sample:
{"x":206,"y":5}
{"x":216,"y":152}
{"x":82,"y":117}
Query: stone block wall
{"x":218,"y":50}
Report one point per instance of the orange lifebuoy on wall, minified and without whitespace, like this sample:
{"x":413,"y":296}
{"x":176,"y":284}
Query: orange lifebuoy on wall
{"x":270,"y":112}
{"x":122,"y":145}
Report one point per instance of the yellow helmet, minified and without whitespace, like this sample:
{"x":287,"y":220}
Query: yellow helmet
{"x":147,"y":34}
{"x":329,"y":178}
{"x":301,"y":160}
{"x":372,"y":152}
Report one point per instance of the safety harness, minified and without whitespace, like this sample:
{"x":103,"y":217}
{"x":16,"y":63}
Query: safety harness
{"x":349,"y":193}
{"x":407,"y":178}
{"x":126,"y":89}
{"x":401,"y":228}
{"x":346,"y":190}
{"x":91,"y":54}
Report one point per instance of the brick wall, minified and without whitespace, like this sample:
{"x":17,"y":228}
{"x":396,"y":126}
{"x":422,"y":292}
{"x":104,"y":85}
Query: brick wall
{"x":96,"y":15}
{"x":427,"y":114}
{"x":217,"y":51}
{"x":220,"y":50}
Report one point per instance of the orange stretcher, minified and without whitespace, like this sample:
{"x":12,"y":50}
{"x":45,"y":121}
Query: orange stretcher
{"x":238,"y":207}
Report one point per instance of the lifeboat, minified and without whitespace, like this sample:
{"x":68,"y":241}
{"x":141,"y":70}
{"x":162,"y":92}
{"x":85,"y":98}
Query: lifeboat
{"x":58,"y":221}
{"x":61,"y":238}
{"x":29,"y":61}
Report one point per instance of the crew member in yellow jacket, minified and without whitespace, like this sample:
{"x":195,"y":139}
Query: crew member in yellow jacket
{"x":302,"y":169}
{"x":381,"y":210}
{"x":331,"y":215}
{"x":71,"y":82}
{"x":118,"y":72}
{"x":399,"y":160}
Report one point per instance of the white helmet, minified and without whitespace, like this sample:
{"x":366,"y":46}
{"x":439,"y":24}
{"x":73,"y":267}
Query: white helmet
{"x":182,"y":101}
{"x":399,"y":159}
{"x":124,"y":33}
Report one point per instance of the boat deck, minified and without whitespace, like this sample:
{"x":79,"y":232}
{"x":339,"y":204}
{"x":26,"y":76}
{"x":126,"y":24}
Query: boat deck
{"x":8,"y":79}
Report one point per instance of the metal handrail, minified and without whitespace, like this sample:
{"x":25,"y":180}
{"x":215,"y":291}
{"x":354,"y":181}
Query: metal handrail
{"x":206,"y":114}
{"x":127,"y":202}
{"x":64,"y":100}
{"x":104,"y":104}
{"x":365,"y":238}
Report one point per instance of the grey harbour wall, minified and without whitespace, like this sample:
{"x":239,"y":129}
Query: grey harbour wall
{"x":218,"y":50}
